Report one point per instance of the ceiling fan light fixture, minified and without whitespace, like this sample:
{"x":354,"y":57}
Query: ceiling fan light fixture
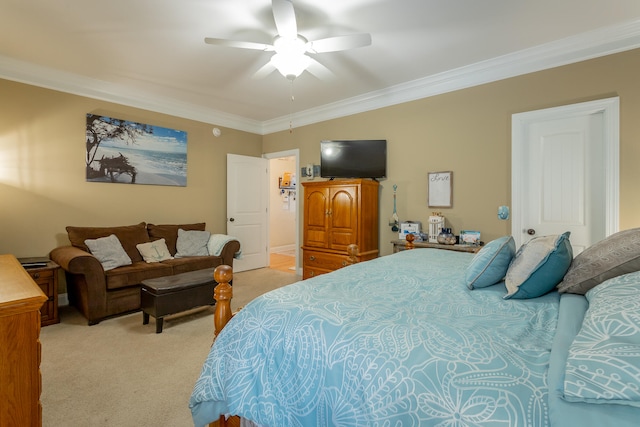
{"x":291,"y":48}
{"x":290,"y":58}
{"x":290,"y":65}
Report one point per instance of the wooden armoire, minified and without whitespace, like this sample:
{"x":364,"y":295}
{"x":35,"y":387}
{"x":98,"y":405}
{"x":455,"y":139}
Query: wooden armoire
{"x":338,"y":213}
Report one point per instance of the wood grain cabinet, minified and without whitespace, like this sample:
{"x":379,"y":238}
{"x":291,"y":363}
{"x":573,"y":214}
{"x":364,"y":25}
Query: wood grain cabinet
{"x":336,"y":214}
{"x":20,"y":378}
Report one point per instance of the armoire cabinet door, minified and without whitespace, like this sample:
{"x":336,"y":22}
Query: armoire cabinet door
{"x":316,"y":208}
{"x":343,"y":217}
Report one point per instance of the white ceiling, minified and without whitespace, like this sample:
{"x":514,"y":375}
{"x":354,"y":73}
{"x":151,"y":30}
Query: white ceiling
{"x":151,"y":53}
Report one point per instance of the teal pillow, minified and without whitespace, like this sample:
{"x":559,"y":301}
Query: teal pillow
{"x":603,"y":365}
{"x":538,"y":266}
{"x":490,"y":264}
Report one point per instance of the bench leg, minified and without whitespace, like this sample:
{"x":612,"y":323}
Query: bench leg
{"x":159,"y":322}
{"x":145,"y":318}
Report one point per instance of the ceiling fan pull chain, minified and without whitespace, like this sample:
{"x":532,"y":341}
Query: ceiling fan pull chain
{"x":291,"y":109}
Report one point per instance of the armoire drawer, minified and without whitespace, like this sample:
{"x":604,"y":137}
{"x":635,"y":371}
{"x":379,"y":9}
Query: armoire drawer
{"x":325,"y":261}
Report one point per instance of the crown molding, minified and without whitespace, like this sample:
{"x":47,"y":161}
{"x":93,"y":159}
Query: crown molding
{"x":578,"y":48}
{"x":566,"y":51}
{"x":36,"y":75}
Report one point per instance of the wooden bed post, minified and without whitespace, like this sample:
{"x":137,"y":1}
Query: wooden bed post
{"x":222,"y":294}
{"x":352,"y":252}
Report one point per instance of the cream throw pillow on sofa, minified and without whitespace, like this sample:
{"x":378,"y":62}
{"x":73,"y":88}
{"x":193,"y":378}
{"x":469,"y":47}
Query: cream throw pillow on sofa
{"x":155,"y":251}
{"x":192,"y":243}
{"x":109,"y":251}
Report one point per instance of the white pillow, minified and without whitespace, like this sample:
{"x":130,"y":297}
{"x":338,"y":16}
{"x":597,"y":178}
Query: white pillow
{"x":155,"y":251}
{"x":192,"y":243}
{"x":109,"y":252}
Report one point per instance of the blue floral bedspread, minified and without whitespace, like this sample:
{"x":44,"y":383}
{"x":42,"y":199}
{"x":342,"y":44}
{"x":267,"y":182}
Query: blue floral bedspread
{"x":396,"y":341}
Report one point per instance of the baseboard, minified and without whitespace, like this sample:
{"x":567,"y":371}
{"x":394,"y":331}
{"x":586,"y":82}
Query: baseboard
{"x":284,"y":248}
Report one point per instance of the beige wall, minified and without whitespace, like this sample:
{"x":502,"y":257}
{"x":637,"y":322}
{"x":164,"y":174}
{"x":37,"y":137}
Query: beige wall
{"x":42,"y":172}
{"x":469,"y":132}
{"x":43,"y":188}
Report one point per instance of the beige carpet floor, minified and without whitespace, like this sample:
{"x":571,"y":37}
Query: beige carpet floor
{"x":121,"y":373}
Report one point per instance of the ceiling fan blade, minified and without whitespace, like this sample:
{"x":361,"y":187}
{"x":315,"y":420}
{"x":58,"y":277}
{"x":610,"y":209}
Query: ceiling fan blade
{"x":320,"y":71}
{"x":240,"y":44}
{"x":264,"y":71}
{"x":334,"y":44}
{"x":285,"y":18}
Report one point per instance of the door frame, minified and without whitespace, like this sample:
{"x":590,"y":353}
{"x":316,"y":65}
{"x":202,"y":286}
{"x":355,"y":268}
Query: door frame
{"x":291,"y":153}
{"x":520,"y":123}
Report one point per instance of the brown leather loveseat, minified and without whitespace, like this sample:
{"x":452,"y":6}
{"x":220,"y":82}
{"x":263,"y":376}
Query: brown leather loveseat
{"x":99,"y":294}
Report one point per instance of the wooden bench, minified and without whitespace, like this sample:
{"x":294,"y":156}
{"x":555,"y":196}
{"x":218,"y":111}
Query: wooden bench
{"x":163,"y":296}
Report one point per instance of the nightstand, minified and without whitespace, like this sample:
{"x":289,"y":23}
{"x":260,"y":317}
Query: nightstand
{"x":47,"y":278}
{"x":398,"y":245}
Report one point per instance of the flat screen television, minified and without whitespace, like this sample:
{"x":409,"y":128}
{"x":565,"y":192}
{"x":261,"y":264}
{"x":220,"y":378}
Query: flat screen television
{"x":362,"y":158}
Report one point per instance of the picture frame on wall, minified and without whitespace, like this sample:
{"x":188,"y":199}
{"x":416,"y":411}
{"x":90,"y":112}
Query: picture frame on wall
{"x":127,"y":152}
{"x":440,"y":189}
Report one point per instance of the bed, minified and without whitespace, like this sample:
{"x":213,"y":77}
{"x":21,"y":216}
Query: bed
{"x":428,"y":337}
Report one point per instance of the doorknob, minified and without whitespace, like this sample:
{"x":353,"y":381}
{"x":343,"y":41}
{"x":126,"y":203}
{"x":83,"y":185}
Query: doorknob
{"x":231,"y":219}
{"x":531,"y":232}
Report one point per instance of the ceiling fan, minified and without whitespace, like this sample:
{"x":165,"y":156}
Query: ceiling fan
{"x":291,"y":48}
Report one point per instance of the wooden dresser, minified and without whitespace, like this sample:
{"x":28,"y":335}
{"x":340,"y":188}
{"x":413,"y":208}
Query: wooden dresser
{"x":336,"y":214}
{"x":20,"y":381}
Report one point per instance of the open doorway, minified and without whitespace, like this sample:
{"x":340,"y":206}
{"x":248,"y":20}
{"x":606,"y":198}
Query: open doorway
{"x":283,"y":211}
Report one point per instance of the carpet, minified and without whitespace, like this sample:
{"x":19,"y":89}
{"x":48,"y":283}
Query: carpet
{"x":121,"y":373}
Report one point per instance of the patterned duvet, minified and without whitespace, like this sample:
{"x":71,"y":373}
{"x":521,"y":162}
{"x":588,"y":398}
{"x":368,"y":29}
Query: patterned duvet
{"x":396,"y":341}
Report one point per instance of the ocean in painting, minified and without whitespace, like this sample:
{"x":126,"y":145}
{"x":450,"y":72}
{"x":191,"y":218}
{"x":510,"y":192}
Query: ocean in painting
{"x":160,"y":158}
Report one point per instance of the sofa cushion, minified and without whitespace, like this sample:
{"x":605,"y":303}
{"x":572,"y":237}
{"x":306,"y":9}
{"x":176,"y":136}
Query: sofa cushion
{"x":134,"y":274}
{"x":129,"y":236}
{"x":183,"y":265}
{"x":169,"y":232}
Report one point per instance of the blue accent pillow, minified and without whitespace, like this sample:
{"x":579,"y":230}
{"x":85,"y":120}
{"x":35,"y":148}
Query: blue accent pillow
{"x":538,"y":266}
{"x":603,"y":365}
{"x":490,"y":264}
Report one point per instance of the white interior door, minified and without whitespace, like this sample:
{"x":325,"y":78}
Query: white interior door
{"x":247,"y":209}
{"x":565,"y":173}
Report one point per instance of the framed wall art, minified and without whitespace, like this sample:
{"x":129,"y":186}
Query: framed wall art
{"x":126,"y":152}
{"x":440,"y":186}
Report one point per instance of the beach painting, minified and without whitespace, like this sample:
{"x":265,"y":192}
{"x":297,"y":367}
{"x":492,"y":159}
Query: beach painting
{"x":126,"y":152}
